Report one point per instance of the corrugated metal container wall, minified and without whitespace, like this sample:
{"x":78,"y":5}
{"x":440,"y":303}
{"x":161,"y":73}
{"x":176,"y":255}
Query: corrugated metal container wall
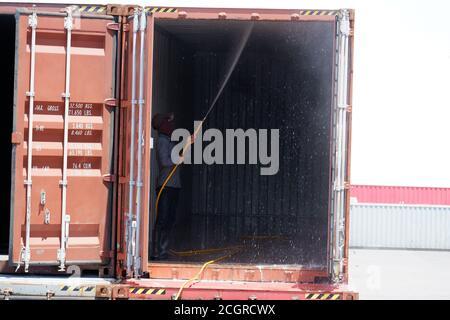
{"x":71,"y":148}
{"x":401,"y":195}
{"x":173,"y":86}
{"x":400,"y":226}
{"x":288,"y":86}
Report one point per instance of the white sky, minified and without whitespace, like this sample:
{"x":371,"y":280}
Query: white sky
{"x":401,"y":108}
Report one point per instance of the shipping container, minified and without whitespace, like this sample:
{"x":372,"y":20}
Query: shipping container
{"x":390,"y":226}
{"x":88,"y":79}
{"x":62,"y":77}
{"x":400,"y":195}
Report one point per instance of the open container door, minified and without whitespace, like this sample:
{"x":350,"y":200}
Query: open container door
{"x":135,"y":142}
{"x":63,"y":133}
{"x":341,"y":143}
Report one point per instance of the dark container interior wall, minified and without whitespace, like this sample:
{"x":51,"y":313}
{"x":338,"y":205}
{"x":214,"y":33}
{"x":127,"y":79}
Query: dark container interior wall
{"x":283,"y":80}
{"x":172,"y":91}
{"x":7,"y":57}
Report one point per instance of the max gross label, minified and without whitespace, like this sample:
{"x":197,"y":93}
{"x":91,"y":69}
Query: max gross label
{"x":85,"y":134}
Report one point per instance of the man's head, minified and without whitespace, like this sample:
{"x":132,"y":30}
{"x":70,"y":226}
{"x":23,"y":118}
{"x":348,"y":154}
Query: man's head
{"x":164,"y":123}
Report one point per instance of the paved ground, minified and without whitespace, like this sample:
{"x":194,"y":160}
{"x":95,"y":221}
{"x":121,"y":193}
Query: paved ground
{"x":400,"y":274}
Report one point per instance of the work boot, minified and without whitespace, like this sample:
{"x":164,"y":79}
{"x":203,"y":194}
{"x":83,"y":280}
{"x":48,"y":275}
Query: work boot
{"x":156,"y":252}
{"x":163,"y":245}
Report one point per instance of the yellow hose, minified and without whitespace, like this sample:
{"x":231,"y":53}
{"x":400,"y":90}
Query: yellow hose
{"x":205,"y":265}
{"x":238,"y":248}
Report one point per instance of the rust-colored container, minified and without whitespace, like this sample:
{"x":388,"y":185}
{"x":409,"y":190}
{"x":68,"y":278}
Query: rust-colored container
{"x":90,"y":130}
{"x":290,"y":76}
{"x":99,"y":224}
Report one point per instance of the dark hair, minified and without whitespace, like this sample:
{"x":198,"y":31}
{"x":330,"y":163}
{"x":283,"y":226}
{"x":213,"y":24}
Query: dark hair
{"x":158,"y":119}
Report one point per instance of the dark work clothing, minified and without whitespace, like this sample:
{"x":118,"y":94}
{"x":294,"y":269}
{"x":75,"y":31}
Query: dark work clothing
{"x":164,"y":148}
{"x":167,"y":209}
{"x":168,"y":202}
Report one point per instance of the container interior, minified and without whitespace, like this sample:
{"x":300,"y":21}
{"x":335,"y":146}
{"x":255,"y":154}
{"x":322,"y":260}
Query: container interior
{"x":7,"y":57}
{"x":283,"y":80}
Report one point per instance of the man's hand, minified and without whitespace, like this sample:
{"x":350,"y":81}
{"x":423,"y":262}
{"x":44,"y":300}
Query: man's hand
{"x":190,"y":141}
{"x":192,"y":138}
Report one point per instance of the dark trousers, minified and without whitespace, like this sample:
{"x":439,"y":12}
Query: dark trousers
{"x":167,"y":209}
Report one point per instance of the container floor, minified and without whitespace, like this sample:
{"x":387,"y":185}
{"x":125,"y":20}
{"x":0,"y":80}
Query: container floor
{"x":278,"y":251}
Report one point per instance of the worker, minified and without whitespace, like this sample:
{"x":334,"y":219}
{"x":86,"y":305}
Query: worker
{"x":164,"y":124}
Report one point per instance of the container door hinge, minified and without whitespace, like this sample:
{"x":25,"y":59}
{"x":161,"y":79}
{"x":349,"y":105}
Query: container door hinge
{"x":111,"y":102}
{"x":16,"y":137}
{"x":345,"y":107}
{"x":112,"y":178}
{"x":345,"y":186}
{"x":107,"y":254}
{"x":113,"y":26}
{"x":109,"y":177}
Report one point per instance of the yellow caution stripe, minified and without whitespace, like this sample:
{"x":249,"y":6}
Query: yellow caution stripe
{"x":147,"y":291}
{"x":322,"y":296}
{"x":93,"y":9}
{"x":77,"y":288}
{"x":156,"y":9}
{"x":318,"y":12}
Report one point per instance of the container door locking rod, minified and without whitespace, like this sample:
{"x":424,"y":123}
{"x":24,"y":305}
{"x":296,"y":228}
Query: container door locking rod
{"x":65,"y":219}
{"x":337,"y":267}
{"x":25,"y":253}
{"x":140,"y":144}
{"x":130,"y":228}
